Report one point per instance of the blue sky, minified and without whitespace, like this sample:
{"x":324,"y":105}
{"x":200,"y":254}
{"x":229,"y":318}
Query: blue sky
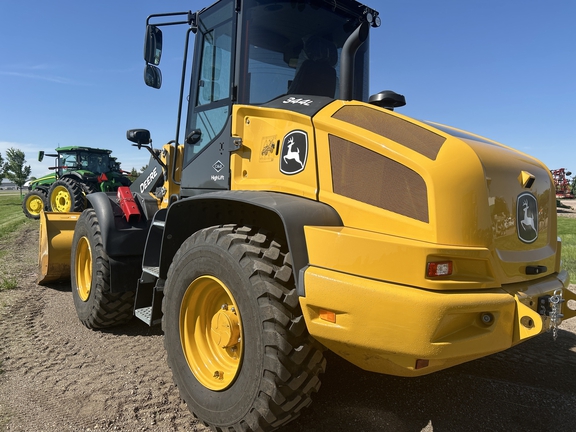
{"x":71,"y":72}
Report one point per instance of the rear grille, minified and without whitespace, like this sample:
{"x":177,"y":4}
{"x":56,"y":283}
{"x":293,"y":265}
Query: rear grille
{"x":371,"y":178}
{"x":394,"y":128}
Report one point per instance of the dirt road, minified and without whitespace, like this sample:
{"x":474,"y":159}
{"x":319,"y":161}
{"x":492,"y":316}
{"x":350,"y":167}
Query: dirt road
{"x":56,"y":375}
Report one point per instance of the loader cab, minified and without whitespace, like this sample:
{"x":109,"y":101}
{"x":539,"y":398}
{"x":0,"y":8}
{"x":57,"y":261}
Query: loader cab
{"x":254,"y":51}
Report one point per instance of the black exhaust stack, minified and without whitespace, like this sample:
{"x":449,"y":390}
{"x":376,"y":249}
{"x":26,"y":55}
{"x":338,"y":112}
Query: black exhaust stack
{"x":351,"y":46}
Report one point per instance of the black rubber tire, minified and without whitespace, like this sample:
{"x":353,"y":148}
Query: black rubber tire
{"x":76,"y":196}
{"x":102,"y":308}
{"x":281,"y":363}
{"x":34,"y":194}
{"x":89,"y":188}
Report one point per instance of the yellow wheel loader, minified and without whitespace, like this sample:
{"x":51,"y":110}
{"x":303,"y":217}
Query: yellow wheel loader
{"x":299,"y":214}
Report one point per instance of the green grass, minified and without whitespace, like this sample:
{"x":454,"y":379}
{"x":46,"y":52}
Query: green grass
{"x":7,"y":283}
{"x":567,"y":232}
{"x":11,"y":220}
{"x":11,"y":214}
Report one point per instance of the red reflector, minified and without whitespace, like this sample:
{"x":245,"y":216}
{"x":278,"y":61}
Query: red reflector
{"x":127,"y":204}
{"x":436,"y":269}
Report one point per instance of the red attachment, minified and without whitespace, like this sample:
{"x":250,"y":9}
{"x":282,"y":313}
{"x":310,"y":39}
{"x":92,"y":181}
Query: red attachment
{"x":102,"y":178}
{"x":128,"y":205}
{"x":562,"y":183}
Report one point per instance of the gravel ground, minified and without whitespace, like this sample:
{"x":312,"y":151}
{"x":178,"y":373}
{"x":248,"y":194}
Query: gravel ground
{"x":569,"y":209}
{"x":56,"y":375}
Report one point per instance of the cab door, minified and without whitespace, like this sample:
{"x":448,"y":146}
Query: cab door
{"x":206,"y":153}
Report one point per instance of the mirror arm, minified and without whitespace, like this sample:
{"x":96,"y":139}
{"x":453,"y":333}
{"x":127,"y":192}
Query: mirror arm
{"x":167,"y":15}
{"x":155,"y":156}
{"x":152,"y":153}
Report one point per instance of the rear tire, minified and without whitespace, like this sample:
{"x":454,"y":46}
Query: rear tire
{"x":66,"y":195}
{"x":95,"y":305}
{"x":89,"y":188}
{"x":250,"y":365}
{"x":34,"y":202}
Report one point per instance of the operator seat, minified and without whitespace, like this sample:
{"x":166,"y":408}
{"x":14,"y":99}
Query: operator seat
{"x":316,"y":76}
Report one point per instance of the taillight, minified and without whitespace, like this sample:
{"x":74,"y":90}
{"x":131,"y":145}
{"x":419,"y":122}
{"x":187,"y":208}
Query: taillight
{"x":437,"y":269}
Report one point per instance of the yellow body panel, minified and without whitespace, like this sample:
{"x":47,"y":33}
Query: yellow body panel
{"x":172,"y":157}
{"x":256,"y":165}
{"x":397,"y":259}
{"x":386,"y":328}
{"x":452,"y":175}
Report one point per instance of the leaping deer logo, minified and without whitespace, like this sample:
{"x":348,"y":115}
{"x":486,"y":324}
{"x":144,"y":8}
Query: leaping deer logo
{"x":294,"y":152}
{"x":528,"y":221}
{"x":293,"y":155}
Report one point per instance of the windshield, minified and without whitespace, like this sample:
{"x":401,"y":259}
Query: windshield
{"x":68,"y":162}
{"x":295,"y":47}
{"x":83,"y":160}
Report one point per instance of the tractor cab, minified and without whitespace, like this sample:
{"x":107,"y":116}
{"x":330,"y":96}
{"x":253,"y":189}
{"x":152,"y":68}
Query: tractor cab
{"x":251,"y":52}
{"x":69,"y":159}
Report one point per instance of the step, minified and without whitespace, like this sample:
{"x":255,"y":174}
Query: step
{"x":154,"y":271}
{"x":145,"y":314}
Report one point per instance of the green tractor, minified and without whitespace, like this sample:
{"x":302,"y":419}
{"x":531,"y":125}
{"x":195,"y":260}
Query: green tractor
{"x":78,"y":171}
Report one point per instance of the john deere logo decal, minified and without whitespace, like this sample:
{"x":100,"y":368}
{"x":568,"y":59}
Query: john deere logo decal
{"x":527,"y":217}
{"x":294,"y":152}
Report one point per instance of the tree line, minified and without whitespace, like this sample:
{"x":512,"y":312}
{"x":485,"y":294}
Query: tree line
{"x":14,"y":168}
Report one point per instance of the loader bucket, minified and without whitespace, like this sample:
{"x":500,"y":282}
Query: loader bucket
{"x":56,"y":232}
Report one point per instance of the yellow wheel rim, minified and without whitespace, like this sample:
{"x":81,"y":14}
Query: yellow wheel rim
{"x":61,"y":201}
{"x":211,"y":333}
{"x":83,"y":268}
{"x":34,"y":204}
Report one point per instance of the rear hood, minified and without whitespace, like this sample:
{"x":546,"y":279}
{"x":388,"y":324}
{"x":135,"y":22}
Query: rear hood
{"x":521,"y":208}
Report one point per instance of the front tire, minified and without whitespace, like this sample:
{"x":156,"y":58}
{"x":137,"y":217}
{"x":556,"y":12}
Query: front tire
{"x":95,"y":305}
{"x":66,"y":195}
{"x":235,"y":336}
{"x":34,"y":202}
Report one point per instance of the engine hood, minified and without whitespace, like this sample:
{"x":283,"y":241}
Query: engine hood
{"x":521,"y":205}
{"x":441,"y":185}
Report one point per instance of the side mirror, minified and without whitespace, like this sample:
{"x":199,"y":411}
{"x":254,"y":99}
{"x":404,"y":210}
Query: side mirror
{"x":153,"y":45}
{"x":40,"y":156}
{"x":139,"y":137}
{"x":152,"y":76}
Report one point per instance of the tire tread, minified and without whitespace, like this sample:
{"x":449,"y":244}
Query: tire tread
{"x":108,"y":309}
{"x":293,"y":359}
